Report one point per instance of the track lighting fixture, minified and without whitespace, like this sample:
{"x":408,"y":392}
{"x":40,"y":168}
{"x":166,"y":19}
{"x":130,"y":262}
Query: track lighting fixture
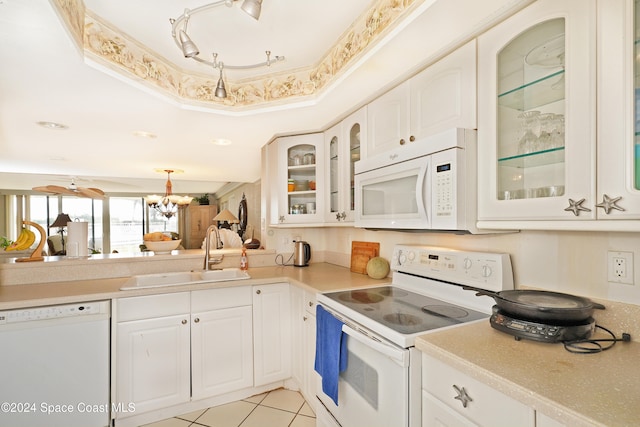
{"x":189,"y":49}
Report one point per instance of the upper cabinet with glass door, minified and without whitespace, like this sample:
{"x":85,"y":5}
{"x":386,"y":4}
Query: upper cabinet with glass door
{"x":618,"y":182}
{"x":343,"y":149}
{"x":536,"y":115}
{"x":300,"y":179}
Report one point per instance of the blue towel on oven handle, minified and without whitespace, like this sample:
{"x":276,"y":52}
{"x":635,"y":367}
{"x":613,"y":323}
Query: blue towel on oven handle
{"x":331,"y":351}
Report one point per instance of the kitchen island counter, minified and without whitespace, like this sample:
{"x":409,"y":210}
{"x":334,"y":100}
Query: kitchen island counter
{"x":600,"y":389}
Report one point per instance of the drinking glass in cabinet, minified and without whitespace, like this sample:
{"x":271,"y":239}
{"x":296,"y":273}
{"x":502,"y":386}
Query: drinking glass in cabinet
{"x":531,"y":107}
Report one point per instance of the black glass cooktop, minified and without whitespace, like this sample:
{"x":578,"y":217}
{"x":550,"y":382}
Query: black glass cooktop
{"x":404,"y":311}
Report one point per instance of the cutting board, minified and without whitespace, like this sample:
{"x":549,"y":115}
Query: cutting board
{"x":361,"y":253}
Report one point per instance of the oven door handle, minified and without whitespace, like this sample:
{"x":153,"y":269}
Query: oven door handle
{"x":398,"y":355}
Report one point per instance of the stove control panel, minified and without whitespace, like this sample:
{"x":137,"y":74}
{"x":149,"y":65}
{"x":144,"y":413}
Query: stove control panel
{"x":485,"y":270}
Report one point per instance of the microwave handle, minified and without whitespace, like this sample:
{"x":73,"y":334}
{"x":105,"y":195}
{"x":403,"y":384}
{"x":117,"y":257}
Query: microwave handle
{"x":422,"y":182}
{"x":396,"y":354}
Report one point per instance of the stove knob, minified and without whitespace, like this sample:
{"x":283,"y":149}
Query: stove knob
{"x":402,"y":258}
{"x":412,"y":256}
{"x":486,"y":271}
{"x":467,"y":263}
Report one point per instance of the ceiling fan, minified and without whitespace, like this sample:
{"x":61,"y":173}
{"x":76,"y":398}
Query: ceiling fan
{"x":72,"y":190}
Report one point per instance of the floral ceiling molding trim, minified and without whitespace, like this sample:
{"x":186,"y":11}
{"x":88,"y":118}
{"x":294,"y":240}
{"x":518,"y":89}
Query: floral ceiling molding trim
{"x":110,"y":47}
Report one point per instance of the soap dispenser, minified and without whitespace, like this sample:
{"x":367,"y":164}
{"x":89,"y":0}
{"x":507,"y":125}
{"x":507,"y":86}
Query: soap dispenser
{"x":244,"y":262}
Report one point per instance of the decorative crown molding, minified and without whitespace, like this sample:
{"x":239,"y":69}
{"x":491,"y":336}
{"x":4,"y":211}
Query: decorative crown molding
{"x":112,"y":48}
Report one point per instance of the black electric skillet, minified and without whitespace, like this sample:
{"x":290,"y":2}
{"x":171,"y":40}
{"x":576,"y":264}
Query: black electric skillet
{"x":542,"y":306}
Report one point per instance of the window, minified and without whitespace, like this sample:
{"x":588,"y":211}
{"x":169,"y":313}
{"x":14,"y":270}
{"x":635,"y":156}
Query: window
{"x":128,"y":224}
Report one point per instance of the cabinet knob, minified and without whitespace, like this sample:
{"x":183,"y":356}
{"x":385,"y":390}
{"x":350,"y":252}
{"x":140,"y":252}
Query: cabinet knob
{"x":576,"y":207}
{"x":310,"y":303}
{"x":184,"y":321}
{"x":402,"y":141}
{"x":196,"y":320}
{"x":258,"y":292}
{"x":281,"y":219}
{"x":462,"y":396}
{"x":304,"y":318}
{"x":412,"y":138}
{"x":609,"y":203}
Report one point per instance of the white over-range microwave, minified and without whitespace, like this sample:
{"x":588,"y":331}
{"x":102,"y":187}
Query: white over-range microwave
{"x":427,"y":185}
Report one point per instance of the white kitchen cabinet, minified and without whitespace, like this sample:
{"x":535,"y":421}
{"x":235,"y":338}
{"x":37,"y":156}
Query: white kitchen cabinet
{"x":303,"y":323}
{"x":536,"y":132}
{"x":343,"y":148}
{"x":618,"y":128}
{"x":557,"y":136}
{"x":153,"y":357}
{"x":297,"y":179}
{"x":442,"y":96}
{"x":182,"y":347}
{"x":222,"y":351}
{"x":388,"y":120}
{"x":452,"y":398}
{"x":311,"y":377}
{"x":271,"y":333}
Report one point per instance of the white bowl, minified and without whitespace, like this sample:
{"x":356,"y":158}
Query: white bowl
{"x":162,"y":246}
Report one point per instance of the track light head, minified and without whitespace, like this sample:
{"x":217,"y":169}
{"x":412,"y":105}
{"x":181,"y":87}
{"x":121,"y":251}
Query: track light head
{"x":189,"y":48}
{"x":252,"y":8}
{"x":220,"y":92}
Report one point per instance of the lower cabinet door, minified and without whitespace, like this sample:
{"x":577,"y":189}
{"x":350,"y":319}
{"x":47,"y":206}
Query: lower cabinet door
{"x":153,"y":363}
{"x":437,"y":414}
{"x":222,"y":351}
{"x":272,"y":333}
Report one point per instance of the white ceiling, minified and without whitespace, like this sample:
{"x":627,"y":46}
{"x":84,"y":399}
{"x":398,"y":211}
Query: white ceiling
{"x":44,"y":77}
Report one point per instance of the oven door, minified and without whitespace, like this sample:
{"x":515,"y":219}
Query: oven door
{"x":374,"y":389}
{"x":395,"y":196}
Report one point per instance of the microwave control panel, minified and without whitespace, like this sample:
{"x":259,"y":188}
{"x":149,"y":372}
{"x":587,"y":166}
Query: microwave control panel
{"x":445,"y":175}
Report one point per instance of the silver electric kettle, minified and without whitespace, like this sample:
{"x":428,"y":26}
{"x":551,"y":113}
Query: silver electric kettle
{"x":301,"y":253}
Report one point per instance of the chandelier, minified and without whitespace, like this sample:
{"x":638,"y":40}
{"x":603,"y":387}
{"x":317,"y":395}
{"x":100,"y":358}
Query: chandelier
{"x":168,"y":204}
{"x":190,"y":50}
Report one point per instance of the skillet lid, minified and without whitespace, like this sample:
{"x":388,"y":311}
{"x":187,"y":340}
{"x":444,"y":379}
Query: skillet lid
{"x":546,"y":299}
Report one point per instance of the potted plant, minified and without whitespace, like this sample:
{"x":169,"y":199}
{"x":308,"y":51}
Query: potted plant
{"x":203,"y":200}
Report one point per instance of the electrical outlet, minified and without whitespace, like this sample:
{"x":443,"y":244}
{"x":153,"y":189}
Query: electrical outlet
{"x":620,"y":267}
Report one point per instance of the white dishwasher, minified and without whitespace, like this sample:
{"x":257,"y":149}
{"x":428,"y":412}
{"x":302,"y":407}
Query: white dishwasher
{"x":54,"y":366}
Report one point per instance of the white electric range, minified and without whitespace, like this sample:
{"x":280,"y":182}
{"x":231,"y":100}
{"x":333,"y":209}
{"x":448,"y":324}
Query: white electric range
{"x":381,"y":384}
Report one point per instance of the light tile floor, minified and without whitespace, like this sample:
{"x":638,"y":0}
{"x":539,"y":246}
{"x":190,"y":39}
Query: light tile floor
{"x":277,"y":408}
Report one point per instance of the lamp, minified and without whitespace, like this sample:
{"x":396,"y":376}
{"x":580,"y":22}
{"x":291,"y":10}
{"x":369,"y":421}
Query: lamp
{"x":61,"y":222}
{"x":168,"y":205}
{"x":227,"y":217}
{"x":190,"y":50}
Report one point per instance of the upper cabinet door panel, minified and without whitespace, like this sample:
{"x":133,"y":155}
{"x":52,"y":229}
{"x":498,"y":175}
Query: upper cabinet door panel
{"x":443,"y":96}
{"x":388,"y":120}
{"x":618,"y":115}
{"x":536,"y":115}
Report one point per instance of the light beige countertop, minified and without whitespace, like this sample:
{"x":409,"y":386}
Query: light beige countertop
{"x":601,"y":389}
{"x":318,"y":277}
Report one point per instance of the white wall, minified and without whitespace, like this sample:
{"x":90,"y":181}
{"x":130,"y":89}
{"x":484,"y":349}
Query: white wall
{"x":572,"y":262}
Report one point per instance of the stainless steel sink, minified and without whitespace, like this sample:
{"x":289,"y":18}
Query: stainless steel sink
{"x":184,"y":278}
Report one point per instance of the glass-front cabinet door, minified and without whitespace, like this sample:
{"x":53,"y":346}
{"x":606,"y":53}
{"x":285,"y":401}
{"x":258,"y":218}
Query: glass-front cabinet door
{"x":619,"y":112}
{"x":536,"y":113}
{"x":343,"y":149}
{"x":300,"y":179}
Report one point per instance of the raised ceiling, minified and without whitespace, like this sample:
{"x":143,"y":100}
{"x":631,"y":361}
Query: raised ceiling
{"x":109,"y":69}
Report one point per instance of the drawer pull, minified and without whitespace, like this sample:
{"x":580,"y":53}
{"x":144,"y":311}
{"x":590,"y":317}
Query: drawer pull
{"x":462,"y":396}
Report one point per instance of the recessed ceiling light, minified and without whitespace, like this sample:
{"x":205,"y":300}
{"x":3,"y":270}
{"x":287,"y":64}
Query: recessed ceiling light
{"x":144,"y":134}
{"x":221,"y":141}
{"x":52,"y":125}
